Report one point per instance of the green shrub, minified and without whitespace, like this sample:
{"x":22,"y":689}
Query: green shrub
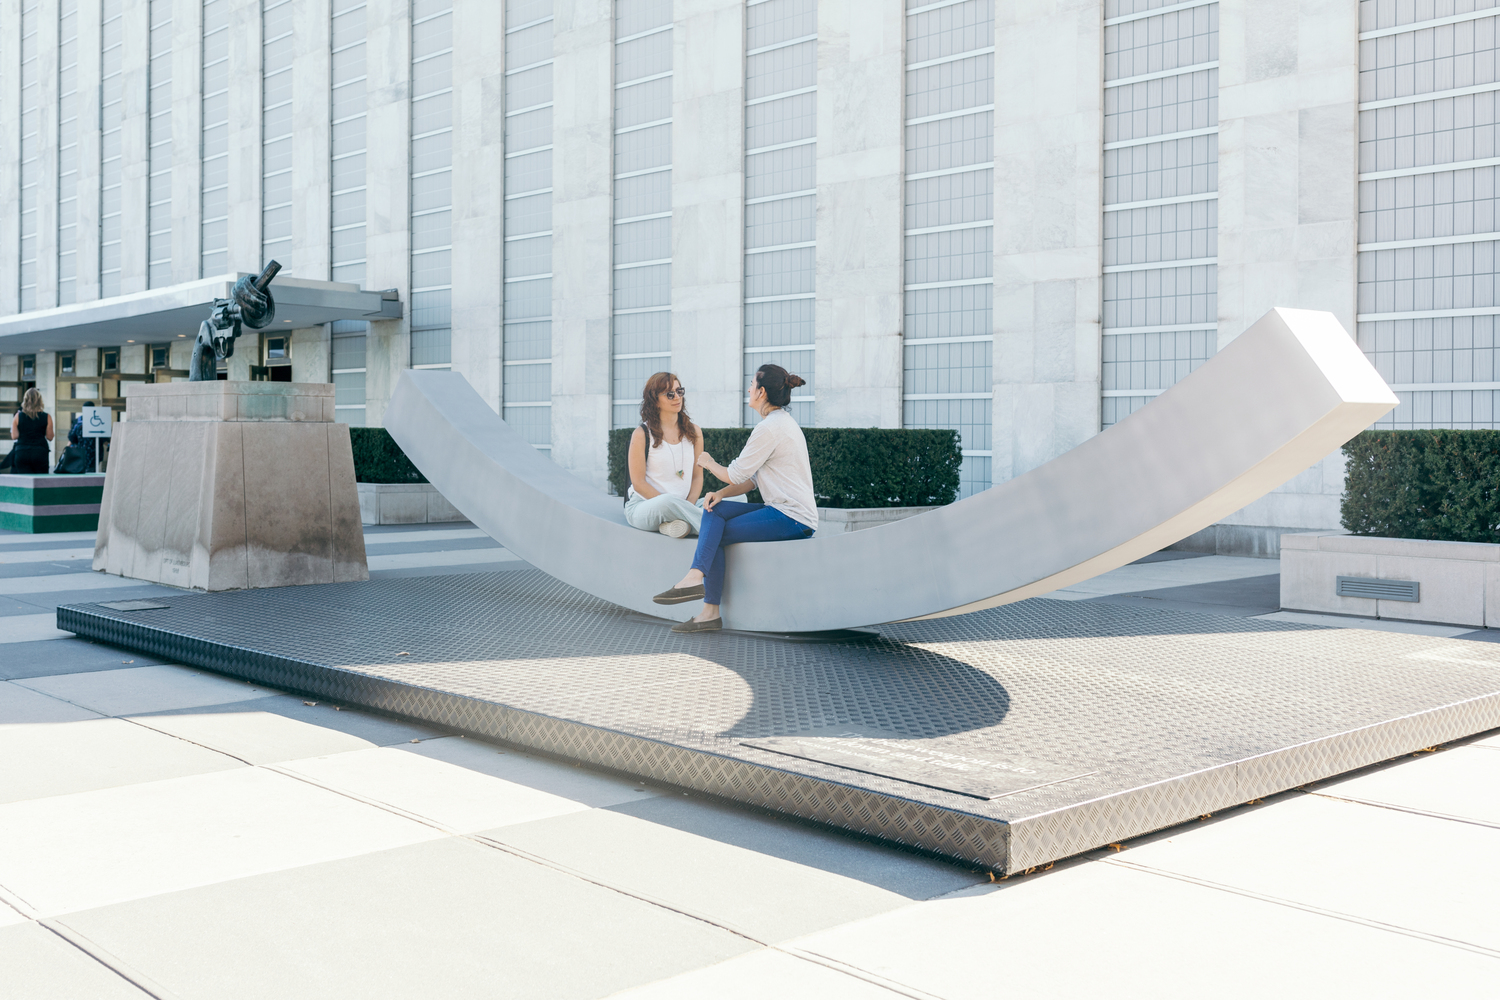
{"x":378,"y":459}
{"x":1441,"y":485}
{"x":851,"y":466}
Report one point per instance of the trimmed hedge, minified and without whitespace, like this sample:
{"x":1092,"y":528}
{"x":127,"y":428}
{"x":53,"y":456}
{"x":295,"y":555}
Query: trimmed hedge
{"x":851,"y":466}
{"x":1439,"y":485}
{"x":378,"y":459}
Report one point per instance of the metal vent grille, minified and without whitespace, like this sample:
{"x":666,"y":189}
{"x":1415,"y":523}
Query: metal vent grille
{"x":1383,"y":590}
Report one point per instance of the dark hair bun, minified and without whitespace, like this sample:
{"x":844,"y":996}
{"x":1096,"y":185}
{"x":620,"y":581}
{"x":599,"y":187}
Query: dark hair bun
{"x":793,"y":381}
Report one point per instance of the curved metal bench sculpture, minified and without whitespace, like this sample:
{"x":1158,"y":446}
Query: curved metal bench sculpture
{"x":1278,"y":398}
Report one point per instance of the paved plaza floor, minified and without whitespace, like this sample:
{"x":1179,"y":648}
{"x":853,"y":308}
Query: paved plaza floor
{"x":170,"y":833}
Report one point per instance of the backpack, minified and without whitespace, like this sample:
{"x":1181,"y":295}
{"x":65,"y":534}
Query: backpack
{"x":75,"y":459}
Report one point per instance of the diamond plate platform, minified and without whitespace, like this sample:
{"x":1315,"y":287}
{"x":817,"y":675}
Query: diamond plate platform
{"x":1020,"y":735}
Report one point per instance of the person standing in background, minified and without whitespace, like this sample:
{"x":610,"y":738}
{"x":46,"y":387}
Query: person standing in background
{"x":31,"y":429}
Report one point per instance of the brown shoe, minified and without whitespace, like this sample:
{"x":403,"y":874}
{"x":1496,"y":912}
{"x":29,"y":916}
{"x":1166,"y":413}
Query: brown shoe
{"x":712,"y":625}
{"x":680,"y":595}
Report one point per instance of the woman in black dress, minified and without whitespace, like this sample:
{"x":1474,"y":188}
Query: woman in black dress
{"x":31,"y":428}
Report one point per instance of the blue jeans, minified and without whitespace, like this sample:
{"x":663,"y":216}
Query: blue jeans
{"x":729,"y":523}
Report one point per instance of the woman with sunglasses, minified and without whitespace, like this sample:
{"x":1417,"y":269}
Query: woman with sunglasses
{"x":773,"y":460}
{"x":665,"y":478}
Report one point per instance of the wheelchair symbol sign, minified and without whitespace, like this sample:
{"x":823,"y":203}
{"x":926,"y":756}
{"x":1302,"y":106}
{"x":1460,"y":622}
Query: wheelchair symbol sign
{"x":96,"y":421}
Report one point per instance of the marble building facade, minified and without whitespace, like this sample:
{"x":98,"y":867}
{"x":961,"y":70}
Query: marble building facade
{"x":1022,"y":221}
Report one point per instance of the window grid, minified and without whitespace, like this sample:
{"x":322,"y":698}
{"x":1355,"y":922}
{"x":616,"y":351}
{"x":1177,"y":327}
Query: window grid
{"x":111,"y":111}
{"x":276,"y":128}
{"x":67,"y":153}
{"x":1160,"y":306}
{"x":947,"y":363}
{"x":781,"y":76}
{"x":214,"y":149}
{"x":527,"y":367}
{"x":347,"y":234}
{"x":159,"y":139}
{"x":1420,"y":184}
{"x":641,"y":325}
{"x":31,"y":147}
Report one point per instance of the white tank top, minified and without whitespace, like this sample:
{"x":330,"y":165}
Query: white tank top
{"x":663,"y":464}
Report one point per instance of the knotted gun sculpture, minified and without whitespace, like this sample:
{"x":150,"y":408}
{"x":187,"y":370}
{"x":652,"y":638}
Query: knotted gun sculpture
{"x":249,"y":303}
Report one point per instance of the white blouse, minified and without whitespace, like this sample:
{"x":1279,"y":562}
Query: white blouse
{"x":669,"y":467}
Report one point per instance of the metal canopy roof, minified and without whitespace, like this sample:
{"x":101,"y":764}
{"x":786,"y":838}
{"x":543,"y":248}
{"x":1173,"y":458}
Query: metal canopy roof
{"x":165,"y":313}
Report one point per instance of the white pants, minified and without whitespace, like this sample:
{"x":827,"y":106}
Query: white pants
{"x":648,"y":515}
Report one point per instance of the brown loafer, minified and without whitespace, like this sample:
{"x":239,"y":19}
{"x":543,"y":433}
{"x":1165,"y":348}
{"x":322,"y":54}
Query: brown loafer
{"x":712,"y":625}
{"x":680,"y":595}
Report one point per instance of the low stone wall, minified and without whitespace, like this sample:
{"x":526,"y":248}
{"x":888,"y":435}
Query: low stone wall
{"x":1458,"y":582}
{"x":404,"y":503}
{"x":50,"y":503}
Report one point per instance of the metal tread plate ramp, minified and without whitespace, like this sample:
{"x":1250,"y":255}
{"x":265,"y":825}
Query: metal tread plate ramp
{"x":1005,"y":738}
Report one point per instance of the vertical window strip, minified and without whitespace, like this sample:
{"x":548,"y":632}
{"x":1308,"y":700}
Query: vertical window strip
{"x":111,"y":111}
{"x":947,"y":351}
{"x":213,"y":151}
{"x":31,"y":147}
{"x":1160,"y":318}
{"x":527,"y":393}
{"x":431,"y":183}
{"x":347,"y":236}
{"x":641,"y":327}
{"x":781,"y":62}
{"x":67,"y":153}
{"x":1427,"y":313}
{"x":276,"y":129}
{"x":159,"y":140}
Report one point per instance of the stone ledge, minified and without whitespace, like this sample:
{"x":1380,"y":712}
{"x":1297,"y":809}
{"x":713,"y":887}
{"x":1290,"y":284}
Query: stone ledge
{"x":838,"y":520}
{"x":1460,"y":581}
{"x":404,"y":503}
{"x":296,"y":402}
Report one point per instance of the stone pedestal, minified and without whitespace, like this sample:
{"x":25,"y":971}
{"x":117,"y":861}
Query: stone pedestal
{"x":229,"y":485}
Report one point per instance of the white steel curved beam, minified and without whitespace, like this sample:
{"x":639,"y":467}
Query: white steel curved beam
{"x":1277,"y":399}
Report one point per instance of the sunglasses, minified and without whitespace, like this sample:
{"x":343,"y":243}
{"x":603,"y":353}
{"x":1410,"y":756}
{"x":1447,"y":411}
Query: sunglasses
{"x":673,"y":395}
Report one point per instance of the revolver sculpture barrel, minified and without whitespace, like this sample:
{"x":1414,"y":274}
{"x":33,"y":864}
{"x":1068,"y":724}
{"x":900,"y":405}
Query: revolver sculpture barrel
{"x":251,"y":304}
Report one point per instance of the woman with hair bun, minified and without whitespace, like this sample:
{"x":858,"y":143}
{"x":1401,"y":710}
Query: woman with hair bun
{"x":773,"y":460}
{"x":665,"y":477}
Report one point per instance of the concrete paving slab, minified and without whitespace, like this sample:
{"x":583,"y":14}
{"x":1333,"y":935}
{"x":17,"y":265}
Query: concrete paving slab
{"x":136,"y":690}
{"x":14,"y":555}
{"x":42,"y":570}
{"x":1371,"y":624}
{"x":1461,"y":783}
{"x":770,"y":879}
{"x":385,"y":546}
{"x":1139,"y":576}
{"x":253,"y":733}
{"x":20,"y":622}
{"x":70,"y":655}
{"x":38,"y":963}
{"x":444,"y":919}
{"x":455,"y":797}
{"x":460,"y":557}
{"x":75,"y":852}
{"x":23,"y":706}
{"x":61,"y":758}
{"x":128,"y":590}
{"x":570,"y":781}
{"x":21,"y":539}
{"x":245,"y":735}
{"x":10,"y":915}
{"x":386,"y":534}
{"x":1102,"y":930}
{"x":1245,"y":597}
{"x":1395,"y":868}
{"x":758,"y":976}
{"x":71,"y":582}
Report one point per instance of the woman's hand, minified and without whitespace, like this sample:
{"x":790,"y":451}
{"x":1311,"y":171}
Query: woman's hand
{"x":705,"y":460}
{"x":712,"y":497}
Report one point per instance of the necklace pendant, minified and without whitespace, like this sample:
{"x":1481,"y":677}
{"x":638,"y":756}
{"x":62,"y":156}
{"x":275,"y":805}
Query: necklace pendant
{"x":679,"y":473}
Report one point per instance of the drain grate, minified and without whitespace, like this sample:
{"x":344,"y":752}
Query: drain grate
{"x":1382,"y":590}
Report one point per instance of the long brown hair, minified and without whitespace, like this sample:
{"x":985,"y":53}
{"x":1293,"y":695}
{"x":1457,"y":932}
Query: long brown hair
{"x":32,"y":403}
{"x":651,"y":409}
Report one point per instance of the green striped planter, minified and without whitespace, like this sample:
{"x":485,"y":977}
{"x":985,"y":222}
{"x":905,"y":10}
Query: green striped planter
{"x":50,"y":503}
